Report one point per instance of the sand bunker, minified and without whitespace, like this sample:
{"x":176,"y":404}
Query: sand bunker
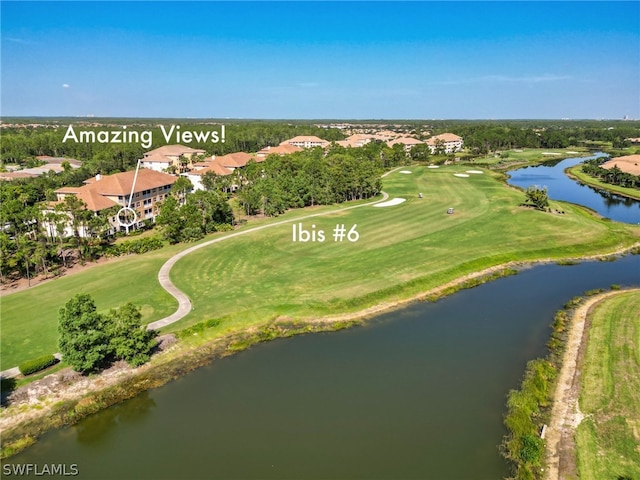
{"x":390,"y":203}
{"x":405,"y":171}
{"x":460,"y":175}
{"x":571,"y":152}
{"x":433,"y":166}
{"x":550,"y":153}
{"x":475,"y":171}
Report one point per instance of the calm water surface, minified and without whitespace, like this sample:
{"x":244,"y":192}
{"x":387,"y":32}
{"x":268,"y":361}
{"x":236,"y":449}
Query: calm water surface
{"x":561,"y":187}
{"x":417,"y":393}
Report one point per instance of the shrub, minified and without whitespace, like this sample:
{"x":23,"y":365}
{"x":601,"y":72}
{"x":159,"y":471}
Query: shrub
{"x":31,"y":366}
{"x":595,"y":291}
{"x":141,"y":245}
{"x":223,"y":227}
{"x":199,"y":327}
{"x":573,"y":303}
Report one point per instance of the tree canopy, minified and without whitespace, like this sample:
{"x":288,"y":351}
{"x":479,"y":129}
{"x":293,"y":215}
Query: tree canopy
{"x":90,"y":340}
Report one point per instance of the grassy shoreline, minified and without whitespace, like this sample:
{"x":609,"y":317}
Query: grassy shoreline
{"x":261,"y":286}
{"x":402,"y":251}
{"x":200,"y":346}
{"x":576,"y":173}
{"x":607,"y":439}
{"x":548,"y":395}
{"x":189,"y":354}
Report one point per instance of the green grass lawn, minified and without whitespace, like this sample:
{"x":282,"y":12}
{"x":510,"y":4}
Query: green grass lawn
{"x":608,"y":440}
{"x":402,"y":250}
{"x":532,"y":155}
{"x":28,"y":319}
{"x":583,"y":177}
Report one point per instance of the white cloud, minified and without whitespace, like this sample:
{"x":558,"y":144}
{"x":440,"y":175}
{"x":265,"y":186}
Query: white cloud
{"x":65,"y":85}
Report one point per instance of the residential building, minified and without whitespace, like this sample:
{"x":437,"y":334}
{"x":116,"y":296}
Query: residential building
{"x":407,"y":142}
{"x":448,"y":141}
{"x":106,"y":191}
{"x":210,"y":164}
{"x":170,"y":157}
{"x":356,"y":140}
{"x":232,"y":161}
{"x":52,"y":164}
{"x":306,"y":141}
{"x":282,"y":149}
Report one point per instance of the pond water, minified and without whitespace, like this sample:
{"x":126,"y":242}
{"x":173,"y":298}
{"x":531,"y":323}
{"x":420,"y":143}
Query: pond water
{"x":417,"y":393}
{"x":561,"y":187}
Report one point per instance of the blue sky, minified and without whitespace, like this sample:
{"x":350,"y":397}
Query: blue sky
{"x":306,"y":60}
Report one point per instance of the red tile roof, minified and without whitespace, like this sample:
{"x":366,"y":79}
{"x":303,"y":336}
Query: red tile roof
{"x":404,"y":141}
{"x":279,"y":150}
{"x":174,"y":150}
{"x":234,"y":160}
{"x":97,"y":189}
{"x":445,"y":137}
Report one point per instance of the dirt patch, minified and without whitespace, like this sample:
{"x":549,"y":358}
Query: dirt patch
{"x":67,"y":384}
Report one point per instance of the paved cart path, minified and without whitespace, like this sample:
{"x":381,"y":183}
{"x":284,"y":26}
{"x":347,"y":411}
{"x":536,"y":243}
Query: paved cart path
{"x":184,"y":303}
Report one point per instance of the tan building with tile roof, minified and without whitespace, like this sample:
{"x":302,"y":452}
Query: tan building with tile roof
{"x":235,"y":160}
{"x":210,"y":164}
{"x":106,"y":191}
{"x":279,"y":150}
{"x":407,"y":142}
{"x":306,"y":141}
{"x":168,"y":156}
{"x":356,"y":140}
{"x":449,"y":141}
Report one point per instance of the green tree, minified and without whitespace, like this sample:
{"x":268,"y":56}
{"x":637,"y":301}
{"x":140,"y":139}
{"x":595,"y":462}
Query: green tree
{"x":420,"y":152}
{"x":84,"y":342}
{"x":169,"y":219}
{"x":213,"y":208}
{"x":128,"y":339}
{"x":537,"y":196}
{"x":181,"y":188}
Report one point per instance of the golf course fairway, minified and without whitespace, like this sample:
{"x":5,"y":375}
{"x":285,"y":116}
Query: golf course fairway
{"x":401,"y":250}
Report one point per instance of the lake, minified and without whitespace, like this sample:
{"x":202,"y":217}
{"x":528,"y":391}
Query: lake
{"x":417,"y":393}
{"x":561,"y":187}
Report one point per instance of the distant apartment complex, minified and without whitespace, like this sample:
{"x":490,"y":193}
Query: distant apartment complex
{"x":407,"y":142}
{"x":223,"y":165}
{"x":282,"y":149}
{"x":153,"y":184}
{"x":170,"y":157}
{"x":449,"y":142}
{"x":51,"y":164}
{"x":304,"y":141}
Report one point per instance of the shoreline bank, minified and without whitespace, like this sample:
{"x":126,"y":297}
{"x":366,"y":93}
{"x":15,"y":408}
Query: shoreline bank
{"x":585,"y":179}
{"x":22,"y":422}
{"x":566,"y":415}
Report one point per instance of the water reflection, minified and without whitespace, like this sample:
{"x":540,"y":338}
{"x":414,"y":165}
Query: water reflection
{"x":551,"y":174}
{"x":95,"y":428}
{"x":415,"y":393}
{"x":610,"y":198}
